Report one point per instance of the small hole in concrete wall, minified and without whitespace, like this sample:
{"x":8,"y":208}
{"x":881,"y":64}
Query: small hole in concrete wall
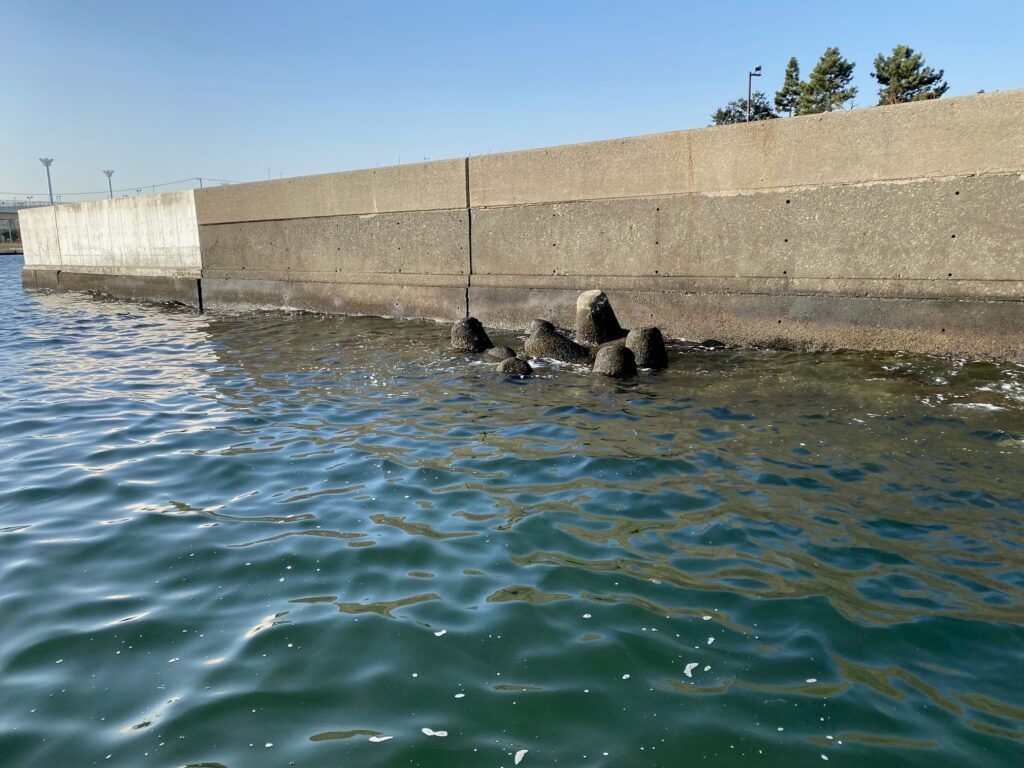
{"x":953,"y":236}
{"x":943,"y":330}
{"x":787,"y":202}
{"x":949,"y":275}
{"x":657,"y":209}
{"x":957,"y":192}
{"x":785,"y":240}
{"x":784,"y":272}
{"x":780,"y":322}
{"x":655,"y":242}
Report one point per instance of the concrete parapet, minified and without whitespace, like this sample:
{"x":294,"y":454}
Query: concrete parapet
{"x":933,"y":139}
{"x":152,"y":235}
{"x":415,"y":187}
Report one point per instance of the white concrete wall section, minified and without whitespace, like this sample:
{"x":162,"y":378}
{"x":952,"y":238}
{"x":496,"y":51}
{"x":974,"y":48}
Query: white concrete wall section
{"x":39,"y":238}
{"x":151,"y":235}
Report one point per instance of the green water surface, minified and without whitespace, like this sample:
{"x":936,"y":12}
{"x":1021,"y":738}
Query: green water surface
{"x":264,"y":539}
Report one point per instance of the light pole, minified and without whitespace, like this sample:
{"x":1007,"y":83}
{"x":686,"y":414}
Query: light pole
{"x":48,"y":161}
{"x":750,"y":77}
{"x":110,"y":184}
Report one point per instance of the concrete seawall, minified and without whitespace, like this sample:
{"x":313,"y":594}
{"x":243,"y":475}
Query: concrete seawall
{"x":886,"y":228}
{"x":144,"y":246}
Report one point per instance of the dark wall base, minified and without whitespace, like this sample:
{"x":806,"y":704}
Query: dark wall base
{"x":182,"y":290}
{"x":435,"y":302}
{"x":975,"y":329}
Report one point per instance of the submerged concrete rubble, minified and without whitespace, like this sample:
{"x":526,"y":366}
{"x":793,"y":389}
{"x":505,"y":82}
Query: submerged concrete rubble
{"x":608,"y":348}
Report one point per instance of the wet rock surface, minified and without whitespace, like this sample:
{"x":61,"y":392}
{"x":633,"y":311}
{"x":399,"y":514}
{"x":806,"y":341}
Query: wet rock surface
{"x":513,"y":366}
{"x":468,"y":335}
{"x":595,"y":320}
{"x":648,"y":347}
{"x":615,"y":360}
{"x":546,"y":341}
{"x":501,"y":353}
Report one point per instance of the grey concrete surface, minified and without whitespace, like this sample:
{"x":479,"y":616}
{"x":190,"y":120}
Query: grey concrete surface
{"x":435,"y":302}
{"x":418,"y":242}
{"x":933,"y":139}
{"x":888,"y":227}
{"x":180,"y":290}
{"x":976,"y":329}
{"x":415,"y":187}
{"x":153,"y":235}
{"x":888,"y":237}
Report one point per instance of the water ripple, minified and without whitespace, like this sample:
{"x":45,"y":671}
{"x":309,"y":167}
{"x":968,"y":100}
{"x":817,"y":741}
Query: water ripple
{"x":271,"y":539}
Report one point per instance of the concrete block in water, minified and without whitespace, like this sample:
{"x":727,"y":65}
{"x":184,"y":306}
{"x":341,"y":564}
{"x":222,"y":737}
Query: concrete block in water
{"x":547,"y":342}
{"x":595,"y":319}
{"x":648,"y":346}
{"x":513,"y":366}
{"x":468,"y":335}
{"x":615,"y":360}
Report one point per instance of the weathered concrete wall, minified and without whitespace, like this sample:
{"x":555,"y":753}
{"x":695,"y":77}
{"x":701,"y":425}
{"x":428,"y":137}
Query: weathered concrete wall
{"x":390,"y":241}
{"x":892,"y":227}
{"x":145,"y":246}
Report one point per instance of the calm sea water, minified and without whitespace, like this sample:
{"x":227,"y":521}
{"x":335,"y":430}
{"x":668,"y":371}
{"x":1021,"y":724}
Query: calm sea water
{"x":275,"y":539}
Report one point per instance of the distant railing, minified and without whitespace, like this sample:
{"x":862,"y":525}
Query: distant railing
{"x":14,"y":204}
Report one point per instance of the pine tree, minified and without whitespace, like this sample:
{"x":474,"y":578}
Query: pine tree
{"x":787,"y":99}
{"x":828,"y":87}
{"x":904,"y":77}
{"x":736,"y":111}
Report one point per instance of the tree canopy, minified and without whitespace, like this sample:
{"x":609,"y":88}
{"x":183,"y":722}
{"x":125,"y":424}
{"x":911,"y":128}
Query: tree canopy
{"x":736,"y":111}
{"x":828,"y":87}
{"x":903,"y":77}
{"x":788,"y":97}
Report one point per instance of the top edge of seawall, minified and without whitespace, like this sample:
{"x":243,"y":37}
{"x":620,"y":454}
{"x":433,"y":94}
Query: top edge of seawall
{"x":966,"y":135}
{"x":126,"y":202}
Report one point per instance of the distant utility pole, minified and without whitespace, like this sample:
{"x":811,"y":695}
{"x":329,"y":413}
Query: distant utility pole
{"x":48,"y":161}
{"x":110,"y":184}
{"x":750,"y":77}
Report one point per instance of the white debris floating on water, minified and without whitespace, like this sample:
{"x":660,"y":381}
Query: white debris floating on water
{"x":441,"y":633}
{"x":432,"y":732}
{"x":689,"y":668}
{"x":520,"y":755}
{"x":378,"y":739}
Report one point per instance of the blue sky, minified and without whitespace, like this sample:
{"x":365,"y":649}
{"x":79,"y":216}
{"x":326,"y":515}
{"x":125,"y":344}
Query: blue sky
{"x":163,"y":91}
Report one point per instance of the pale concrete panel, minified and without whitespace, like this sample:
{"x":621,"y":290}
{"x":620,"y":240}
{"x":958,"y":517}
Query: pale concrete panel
{"x":983,"y":133}
{"x":138,"y":235}
{"x":964,"y":229}
{"x":414,"y":187}
{"x":39,"y":237}
{"x":418,"y":242}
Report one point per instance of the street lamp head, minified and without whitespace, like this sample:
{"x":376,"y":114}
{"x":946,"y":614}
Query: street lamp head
{"x":108,"y":174}
{"x":756,"y":72}
{"x":47,"y":161}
